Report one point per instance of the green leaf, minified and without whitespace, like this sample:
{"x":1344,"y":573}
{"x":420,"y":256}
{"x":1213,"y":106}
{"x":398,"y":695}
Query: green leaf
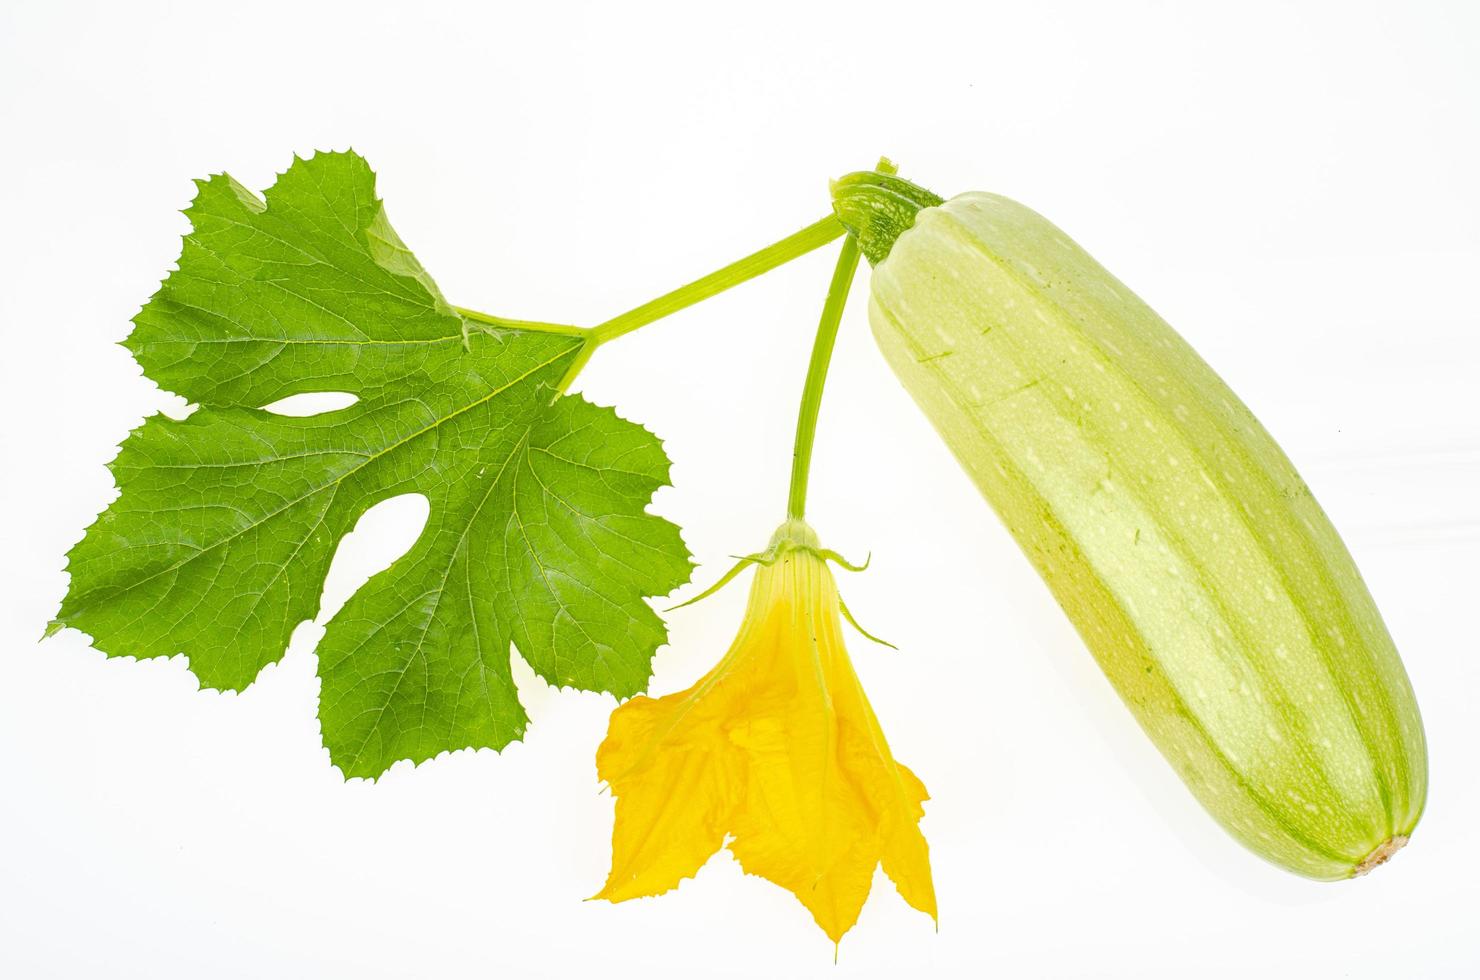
{"x":226,"y":522}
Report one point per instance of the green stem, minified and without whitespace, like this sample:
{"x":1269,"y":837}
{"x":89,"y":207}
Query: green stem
{"x":812,"y":237}
{"x":822,"y":348}
{"x":793,"y":246}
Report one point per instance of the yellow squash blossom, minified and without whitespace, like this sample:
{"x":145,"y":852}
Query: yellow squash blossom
{"x":776,"y":749}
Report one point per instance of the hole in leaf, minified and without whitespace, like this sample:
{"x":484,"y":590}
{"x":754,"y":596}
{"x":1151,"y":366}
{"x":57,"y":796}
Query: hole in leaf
{"x":383,"y":533}
{"x":308,"y":403}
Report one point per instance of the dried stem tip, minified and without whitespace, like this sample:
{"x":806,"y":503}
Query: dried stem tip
{"x":1380,"y":854}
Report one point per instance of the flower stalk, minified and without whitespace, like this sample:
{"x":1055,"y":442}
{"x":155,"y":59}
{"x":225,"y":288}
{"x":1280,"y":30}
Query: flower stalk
{"x":822,"y":349}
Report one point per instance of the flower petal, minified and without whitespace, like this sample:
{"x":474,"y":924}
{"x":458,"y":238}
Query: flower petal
{"x":672,"y":803}
{"x":778,"y":748}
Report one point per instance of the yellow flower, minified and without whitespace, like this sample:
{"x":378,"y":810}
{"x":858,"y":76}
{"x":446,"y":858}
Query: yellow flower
{"x":776,"y":749}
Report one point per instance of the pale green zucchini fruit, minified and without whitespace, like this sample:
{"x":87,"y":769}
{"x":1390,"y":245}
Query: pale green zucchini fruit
{"x":1193,"y":560}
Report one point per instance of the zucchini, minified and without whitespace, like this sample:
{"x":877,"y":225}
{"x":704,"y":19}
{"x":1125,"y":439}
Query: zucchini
{"x":1174,"y":532}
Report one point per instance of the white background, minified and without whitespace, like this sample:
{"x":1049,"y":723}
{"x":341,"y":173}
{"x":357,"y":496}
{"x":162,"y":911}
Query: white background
{"x":1294,"y":186}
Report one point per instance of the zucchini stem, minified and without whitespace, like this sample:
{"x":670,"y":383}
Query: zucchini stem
{"x":877,"y":207}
